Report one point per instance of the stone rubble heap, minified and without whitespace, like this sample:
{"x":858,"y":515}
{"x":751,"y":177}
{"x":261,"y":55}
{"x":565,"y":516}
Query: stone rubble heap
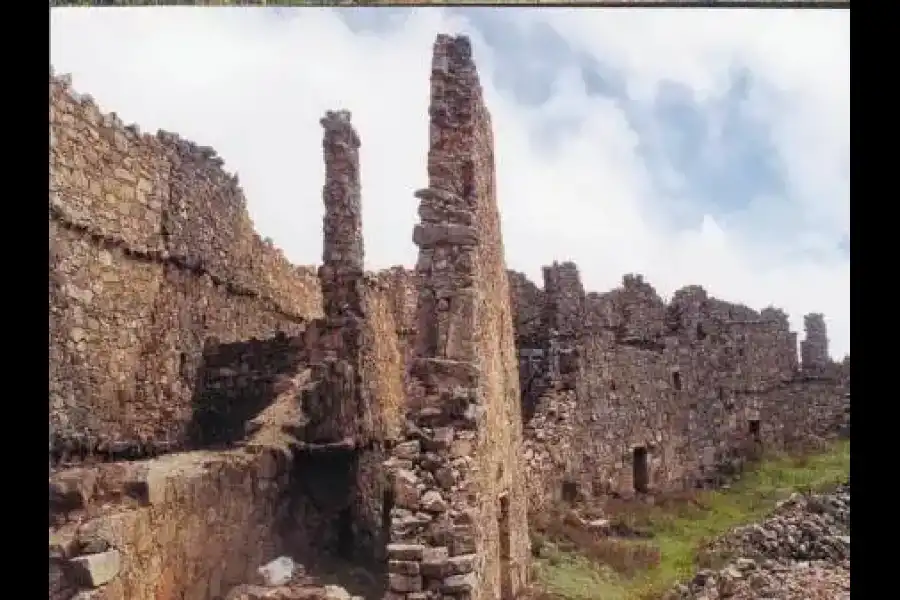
{"x":801,"y":552}
{"x":298,"y":590}
{"x":283,"y":579}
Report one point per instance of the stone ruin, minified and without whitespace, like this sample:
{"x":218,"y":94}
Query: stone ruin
{"x":213,"y":407}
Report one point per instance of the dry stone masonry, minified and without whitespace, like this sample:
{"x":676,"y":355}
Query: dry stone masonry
{"x":340,"y":398}
{"x":218,"y":414}
{"x":814,"y":349}
{"x":647,"y":396}
{"x":458,"y":528}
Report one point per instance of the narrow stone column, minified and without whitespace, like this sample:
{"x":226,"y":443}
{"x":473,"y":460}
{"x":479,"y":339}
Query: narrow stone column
{"x":338,"y":408}
{"x":342,"y":252}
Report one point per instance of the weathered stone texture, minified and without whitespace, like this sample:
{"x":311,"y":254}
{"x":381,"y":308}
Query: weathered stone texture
{"x":402,"y":417}
{"x":386,"y":353}
{"x":151,"y":253}
{"x":199,"y":524}
{"x":814,"y":349}
{"x":458,"y":528}
{"x":526,"y":303}
{"x":687,"y":381}
{"x":342,"y":255}
{"x":239,"y":381}
{"x":342,"y":403}
{"x":563,"y":300}
{"x":550,"y":449}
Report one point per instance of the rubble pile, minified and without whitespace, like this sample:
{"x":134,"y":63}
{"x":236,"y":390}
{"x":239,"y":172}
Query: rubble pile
{"x":801,"y":552}
{"x":283,"y":579}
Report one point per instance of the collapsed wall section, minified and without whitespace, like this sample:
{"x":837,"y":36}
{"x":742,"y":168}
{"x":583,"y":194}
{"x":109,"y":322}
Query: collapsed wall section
{"x":459,"y":525}
{"x":152,"y":253}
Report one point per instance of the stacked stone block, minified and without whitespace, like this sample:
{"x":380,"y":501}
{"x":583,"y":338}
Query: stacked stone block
{"x":683,"y":380}
{"x":340,"y":409}
{"x":152,"y":252}
{"x":432,"y":529}
{"x":563,"y":301}
{"x":442,"y":496}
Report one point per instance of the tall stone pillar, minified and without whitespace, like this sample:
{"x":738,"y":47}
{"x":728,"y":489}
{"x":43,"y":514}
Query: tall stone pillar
{"x":458,"y":529}
{"x":339,"y":410}
{"x":342,"y":252}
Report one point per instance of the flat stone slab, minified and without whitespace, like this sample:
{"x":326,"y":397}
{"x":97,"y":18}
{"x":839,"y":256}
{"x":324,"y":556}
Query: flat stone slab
{"x":93,"y":570}
{"x":277,"y":572}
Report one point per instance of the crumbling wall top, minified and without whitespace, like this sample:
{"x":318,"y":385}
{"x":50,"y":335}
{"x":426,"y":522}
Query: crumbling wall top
{"x":162,"y":196}
{"x":776,"y":316}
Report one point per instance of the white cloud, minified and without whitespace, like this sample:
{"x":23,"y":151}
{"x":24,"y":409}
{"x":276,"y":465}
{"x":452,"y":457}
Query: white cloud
{"x":254,"y":86}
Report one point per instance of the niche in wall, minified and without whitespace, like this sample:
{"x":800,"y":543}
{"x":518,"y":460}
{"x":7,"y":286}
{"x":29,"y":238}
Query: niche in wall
{"x":569,"y":491}
{"x":641,"y":470}
{"x":755,"y":431}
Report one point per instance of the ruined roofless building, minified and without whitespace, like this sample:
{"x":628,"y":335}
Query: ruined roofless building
{"x":213,"y":407}
{"x":370,"y":417}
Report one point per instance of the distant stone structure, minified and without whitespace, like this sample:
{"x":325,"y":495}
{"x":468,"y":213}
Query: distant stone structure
{"x":658,"y":397}
{"x":213,"y":406}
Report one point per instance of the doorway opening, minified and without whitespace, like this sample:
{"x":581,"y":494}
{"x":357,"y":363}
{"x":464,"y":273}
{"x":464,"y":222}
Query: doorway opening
{"x":676,"y":380}
{"x":387,"y":505}
{"x":755,"y":430}
{"x":345,"y":535}
{"x":641,"y":470}
{"x":569,"y":491}
{"x":506,"y":583}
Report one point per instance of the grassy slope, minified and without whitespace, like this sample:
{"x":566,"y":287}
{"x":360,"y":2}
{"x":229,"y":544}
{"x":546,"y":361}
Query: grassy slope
{"x":680,"y":529}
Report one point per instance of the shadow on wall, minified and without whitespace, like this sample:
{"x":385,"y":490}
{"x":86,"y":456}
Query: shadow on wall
{"x":235,"y":383}
{"x":324,"y":528}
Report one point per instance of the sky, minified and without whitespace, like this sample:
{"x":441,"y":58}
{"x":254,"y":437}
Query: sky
{"x":692,"y":146}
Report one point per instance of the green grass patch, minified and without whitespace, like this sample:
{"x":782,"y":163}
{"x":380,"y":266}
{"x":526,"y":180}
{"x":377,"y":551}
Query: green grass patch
{"x":680,"y":528}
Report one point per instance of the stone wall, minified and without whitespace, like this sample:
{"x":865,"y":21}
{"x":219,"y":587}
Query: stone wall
{"x":152,"y":252}
{"x":458,"y":529}
{"x":229,"y":351}
{"x":687,"y":382}
{"x":187,"y":525}
{"x":238,"y":382}
{"x":402,"y":417}
{"x":387,"y":353}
